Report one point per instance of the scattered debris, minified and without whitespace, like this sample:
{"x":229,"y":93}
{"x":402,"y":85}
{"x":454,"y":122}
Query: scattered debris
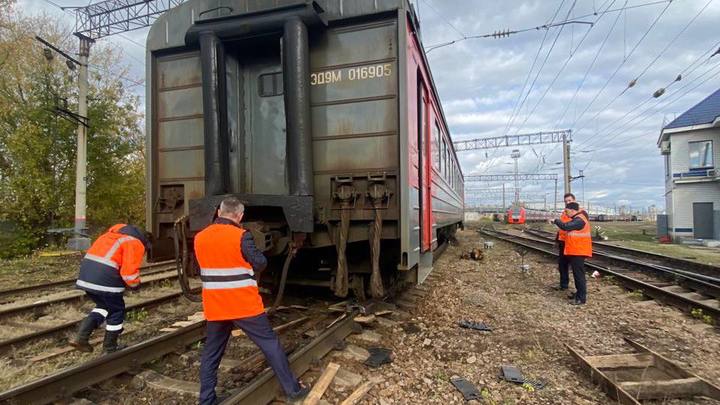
{"x":365,"y":320}
{"x":411,"y":328}
{"x":474,"y":254}
{"x":481,"y":326}
{"x":488,"y":244}
{"x":466,"y":388}
{"x":514,"y":375}
{"x":383,"y":312}
{"x":378,"y":357}
{"x":358,"y":394}
{"x":595,"y":274}
{"x":322,"y":384}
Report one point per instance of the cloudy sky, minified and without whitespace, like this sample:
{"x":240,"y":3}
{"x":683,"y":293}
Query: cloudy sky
{"x":573,"y":76}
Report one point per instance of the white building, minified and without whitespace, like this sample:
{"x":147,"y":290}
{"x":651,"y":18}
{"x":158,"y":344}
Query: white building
{"x":690,"y":145}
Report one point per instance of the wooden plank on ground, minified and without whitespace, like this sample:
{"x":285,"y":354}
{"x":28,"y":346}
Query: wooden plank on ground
{"x":322,"y":384}
{"x":358,"y":394}
{"x":158,"y":381}
{"x":664,"y":389}
{"x":615,"y":361}
{"x":598,"y":377}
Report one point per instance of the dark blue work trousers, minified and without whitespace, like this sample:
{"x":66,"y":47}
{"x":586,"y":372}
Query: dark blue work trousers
{"x":258,"y":329}
{"x":109,"y":308}
{"x":563,"y":266}
{"x":578,"y":268}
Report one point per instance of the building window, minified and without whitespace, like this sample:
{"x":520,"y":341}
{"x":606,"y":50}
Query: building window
{"x":701,"y":154}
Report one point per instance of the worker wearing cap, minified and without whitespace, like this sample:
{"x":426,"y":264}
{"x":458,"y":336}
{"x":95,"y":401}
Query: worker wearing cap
{"x":578,"y":246}
{"x":228,"y":260}
{"x":111,"y":265}
{"x":560,"y":238}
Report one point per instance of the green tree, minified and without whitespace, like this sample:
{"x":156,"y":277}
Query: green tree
{"x":37,"y":144}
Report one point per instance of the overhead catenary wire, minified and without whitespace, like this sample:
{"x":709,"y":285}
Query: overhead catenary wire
{"x":647,"y":113}
{"x":562,"y":68}
{"x":544,"y":62}
{"x":615,"y":72}
{"x":686,"y":72}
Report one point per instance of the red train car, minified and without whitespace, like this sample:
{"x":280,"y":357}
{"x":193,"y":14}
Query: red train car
{"x":516,"y":215}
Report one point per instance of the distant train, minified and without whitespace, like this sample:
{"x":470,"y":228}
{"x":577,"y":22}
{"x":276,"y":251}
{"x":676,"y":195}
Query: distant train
{"x":613,"y":217}
{"x":522,"y":215}
{"x":515,"y":215}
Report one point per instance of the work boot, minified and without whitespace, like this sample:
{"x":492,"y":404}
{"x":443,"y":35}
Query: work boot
{"x":81,"y":340}
{"x":111,"y":341}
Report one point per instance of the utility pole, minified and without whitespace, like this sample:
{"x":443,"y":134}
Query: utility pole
{"x":80,"y":240}
{"x":516,"y":155}
{"x":555,"y":203}
{"x":566,"y":163}
{"x":503,"y":206}
{"x":582,"y":179}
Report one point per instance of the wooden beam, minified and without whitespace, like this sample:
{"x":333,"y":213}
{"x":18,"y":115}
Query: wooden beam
{"x":358,"y":393}
{"x":615,"y":361}
{"x":322,"y":384}
{"x":605,"y":383}
{"x":664,"y":389}
{"x":710,"y":390}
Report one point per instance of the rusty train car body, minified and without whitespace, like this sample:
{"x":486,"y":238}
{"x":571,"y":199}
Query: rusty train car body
{"x":322,"y":116}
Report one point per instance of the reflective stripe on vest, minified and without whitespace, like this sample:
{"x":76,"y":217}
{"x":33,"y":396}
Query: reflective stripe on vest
{"x":107,"y":259}
{"x":234,"y":277}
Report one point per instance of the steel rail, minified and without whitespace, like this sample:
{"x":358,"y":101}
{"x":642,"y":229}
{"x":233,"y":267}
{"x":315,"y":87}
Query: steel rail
{"x":264,"y":388}
{"x":10,"y":309}
{"x":691,"y":281}
{"x":678,"y":300}
{"x":705,"y":270}
{"x":71,"y":281}
{"x":8,"y":344}
{"x":66,"y":382}
{"x":260,"y":390}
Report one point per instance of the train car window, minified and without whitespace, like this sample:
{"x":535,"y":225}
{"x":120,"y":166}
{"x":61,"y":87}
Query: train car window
{"x":270,"y":84}
{"x":437,"y":143}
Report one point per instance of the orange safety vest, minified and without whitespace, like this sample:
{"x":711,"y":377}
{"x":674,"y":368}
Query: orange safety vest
{"x":112,"y":262}
{"x":229,"y":290}
{"x":561,"y":234}
{"x":579,"y":243}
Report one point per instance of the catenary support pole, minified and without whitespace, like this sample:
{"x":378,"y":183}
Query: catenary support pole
{"x":80,"y":241}
{"x":566,"y":164}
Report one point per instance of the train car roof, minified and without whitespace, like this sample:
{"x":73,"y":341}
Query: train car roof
{"x":168,"y":31}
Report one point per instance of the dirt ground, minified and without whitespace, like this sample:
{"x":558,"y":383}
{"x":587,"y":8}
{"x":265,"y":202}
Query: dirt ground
{"x":38,"y":268}
{"x":530,"y":325}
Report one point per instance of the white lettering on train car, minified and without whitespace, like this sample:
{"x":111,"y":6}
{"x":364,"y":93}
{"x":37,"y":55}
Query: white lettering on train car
{"x":352,"y":74}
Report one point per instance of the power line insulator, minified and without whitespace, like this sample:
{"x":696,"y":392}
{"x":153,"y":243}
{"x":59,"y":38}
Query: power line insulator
{"x":716,"y":52}
{"x":678,"y":78}
{"x":632,"y":83}
{"x":659,"y":92}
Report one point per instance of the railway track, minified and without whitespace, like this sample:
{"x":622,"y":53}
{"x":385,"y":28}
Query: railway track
{"x":260,"y":390}
{"x":687,"y":266}
{"x":71,"y":296}
{"x":27,"y":338}
{"x":686,"y":293}
{"x":7,"y":295}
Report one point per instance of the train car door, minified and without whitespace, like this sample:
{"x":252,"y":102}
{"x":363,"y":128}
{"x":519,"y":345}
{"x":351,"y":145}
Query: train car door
{"x":424,"y":150}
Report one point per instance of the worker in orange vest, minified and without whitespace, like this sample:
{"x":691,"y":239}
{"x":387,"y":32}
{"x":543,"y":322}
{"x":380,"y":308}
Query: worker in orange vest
{"x":560,"y":239}
{"x":229,"y":260}
{"x":578,"y":246}
{"x":110,"y":265}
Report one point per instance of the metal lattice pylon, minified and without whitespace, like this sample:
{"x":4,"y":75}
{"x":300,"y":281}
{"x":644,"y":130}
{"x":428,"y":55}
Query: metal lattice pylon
{"x":117,"y":16}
